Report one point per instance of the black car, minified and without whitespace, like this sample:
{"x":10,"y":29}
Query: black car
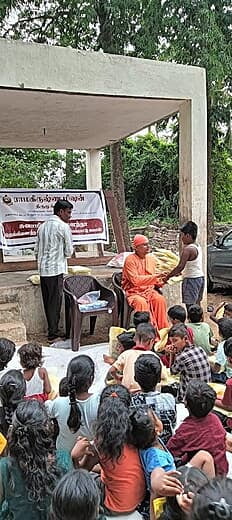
{"x":220,"y":261}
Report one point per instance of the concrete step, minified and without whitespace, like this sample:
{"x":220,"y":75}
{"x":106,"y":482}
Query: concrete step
{"x":9,"y":312}
{"x":16,"y":331}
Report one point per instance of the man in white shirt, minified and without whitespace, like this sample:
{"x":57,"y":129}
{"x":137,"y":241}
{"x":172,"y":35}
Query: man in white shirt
{"x":53,"y":247}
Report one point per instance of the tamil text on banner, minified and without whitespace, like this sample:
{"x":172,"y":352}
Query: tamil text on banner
{"x":22,"y":211}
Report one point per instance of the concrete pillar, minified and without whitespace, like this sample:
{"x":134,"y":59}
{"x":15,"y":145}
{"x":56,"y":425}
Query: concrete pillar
{"x":193,"y":166}
{"x":93,"y":182}
{"x":93,"y":170}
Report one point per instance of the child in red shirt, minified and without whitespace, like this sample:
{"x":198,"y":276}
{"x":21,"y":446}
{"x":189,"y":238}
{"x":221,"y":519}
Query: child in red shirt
{"x":122,"y":479}
{"x":202,"y":430}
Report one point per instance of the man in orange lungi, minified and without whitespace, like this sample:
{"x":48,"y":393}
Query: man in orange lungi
{"x":139,"y":280}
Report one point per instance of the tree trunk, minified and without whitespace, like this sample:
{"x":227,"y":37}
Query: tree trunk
{"x":68,"y":166}
{"x":108,"y":44}
{"x":117,"y":185}
{"x":210,"y":213}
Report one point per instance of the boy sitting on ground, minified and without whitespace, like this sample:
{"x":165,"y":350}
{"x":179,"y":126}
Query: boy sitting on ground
{"x":138,"y":317}
{"x":148,"y":375}
{"x":222,"y":368}
{"x":7,"y":350}
{"x":202,"y":332}
{"x":126,"y":341}
{"x":144,"y":338}
{"x":202,"y":430}
{"x":176,"y":315}
{"x":226,"y":400}
{"x":190,"y":361}
{"x":225,"y":309}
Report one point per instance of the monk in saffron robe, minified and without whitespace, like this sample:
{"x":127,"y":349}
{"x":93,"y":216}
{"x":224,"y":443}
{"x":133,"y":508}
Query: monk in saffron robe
{"x":139,"y":280}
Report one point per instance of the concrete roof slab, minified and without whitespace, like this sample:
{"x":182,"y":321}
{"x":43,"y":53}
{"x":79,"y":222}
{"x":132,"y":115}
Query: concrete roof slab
{"x":54,"y":97}
{"x":57,"y":120}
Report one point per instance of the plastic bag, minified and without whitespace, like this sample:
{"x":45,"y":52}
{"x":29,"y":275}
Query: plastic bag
{"x":99,"y":304}
{"x":89,"y":297}
{"x":90,"y":302}
{"x":118,"y":260}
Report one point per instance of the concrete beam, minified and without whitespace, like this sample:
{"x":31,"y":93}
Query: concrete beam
{"x":45,"y":67}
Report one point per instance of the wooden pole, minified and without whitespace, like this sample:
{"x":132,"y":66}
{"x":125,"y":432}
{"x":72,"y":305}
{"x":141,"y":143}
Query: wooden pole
{"x":1,"y":258}
{"x":115,"y":218}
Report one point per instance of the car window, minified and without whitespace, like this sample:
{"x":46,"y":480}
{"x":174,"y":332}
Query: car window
{"x":227,"y":242}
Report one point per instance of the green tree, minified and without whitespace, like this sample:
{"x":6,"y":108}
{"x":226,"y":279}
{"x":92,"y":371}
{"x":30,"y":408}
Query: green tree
{"x":195,"y":33}
{"x":75,"y":175}
{"x":96,"y":24}
{"x":31,"y":168}
{"x":150,"y":174}
{"x":222,"y":177}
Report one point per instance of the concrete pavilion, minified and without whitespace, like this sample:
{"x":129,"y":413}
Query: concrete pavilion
{"x":54,"y":97}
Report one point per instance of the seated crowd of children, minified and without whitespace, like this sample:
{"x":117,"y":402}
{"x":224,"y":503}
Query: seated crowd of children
{"x":85,"y":456}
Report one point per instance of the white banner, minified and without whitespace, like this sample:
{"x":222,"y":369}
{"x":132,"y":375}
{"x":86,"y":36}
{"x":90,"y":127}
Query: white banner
{"x":22,"y":211}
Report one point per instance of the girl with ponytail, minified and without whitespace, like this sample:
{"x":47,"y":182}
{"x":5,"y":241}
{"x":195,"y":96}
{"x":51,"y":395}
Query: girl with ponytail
{"x":31,"y":470}
{"x":12,"y":392}
{"x":121,"y":471}
{"x":77,"y":413}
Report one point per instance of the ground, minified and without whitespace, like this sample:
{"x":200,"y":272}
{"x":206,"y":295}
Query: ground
{"x":214,"y":299}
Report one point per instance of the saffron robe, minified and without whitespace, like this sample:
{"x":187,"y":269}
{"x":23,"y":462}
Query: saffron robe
{"x":138,"y":280}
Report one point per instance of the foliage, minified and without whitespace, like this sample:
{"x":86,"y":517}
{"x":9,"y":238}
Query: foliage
{"x":196,"y":32}
{"x":150,"y":168}
{"x":83,"y":24}
{"x":76,"y":179}
{"x":30,"y":168}
{"x":222,"y":173}
{"x":150,"y":174}
{"x":199,"y":33}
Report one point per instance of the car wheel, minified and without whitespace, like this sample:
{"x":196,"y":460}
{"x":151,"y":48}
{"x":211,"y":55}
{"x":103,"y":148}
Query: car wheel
{"x":209,"y":285}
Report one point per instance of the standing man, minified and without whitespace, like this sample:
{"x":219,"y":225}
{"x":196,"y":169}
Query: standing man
{"x":190,"y":265}
{"x":53,"y":247}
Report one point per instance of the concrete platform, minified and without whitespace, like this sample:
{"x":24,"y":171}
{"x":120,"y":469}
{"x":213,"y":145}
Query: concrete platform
{"x":14,"y":287}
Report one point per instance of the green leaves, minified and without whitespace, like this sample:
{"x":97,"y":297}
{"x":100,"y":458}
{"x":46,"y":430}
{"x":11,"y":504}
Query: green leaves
{"x":150,"y":168}
{"x":194,"y":32}
{"x":30,"y":168}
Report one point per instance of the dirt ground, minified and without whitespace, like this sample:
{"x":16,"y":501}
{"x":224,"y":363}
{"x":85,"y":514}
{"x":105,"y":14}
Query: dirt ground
{"x":86,"y":339}
{"x":214,"y":299}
